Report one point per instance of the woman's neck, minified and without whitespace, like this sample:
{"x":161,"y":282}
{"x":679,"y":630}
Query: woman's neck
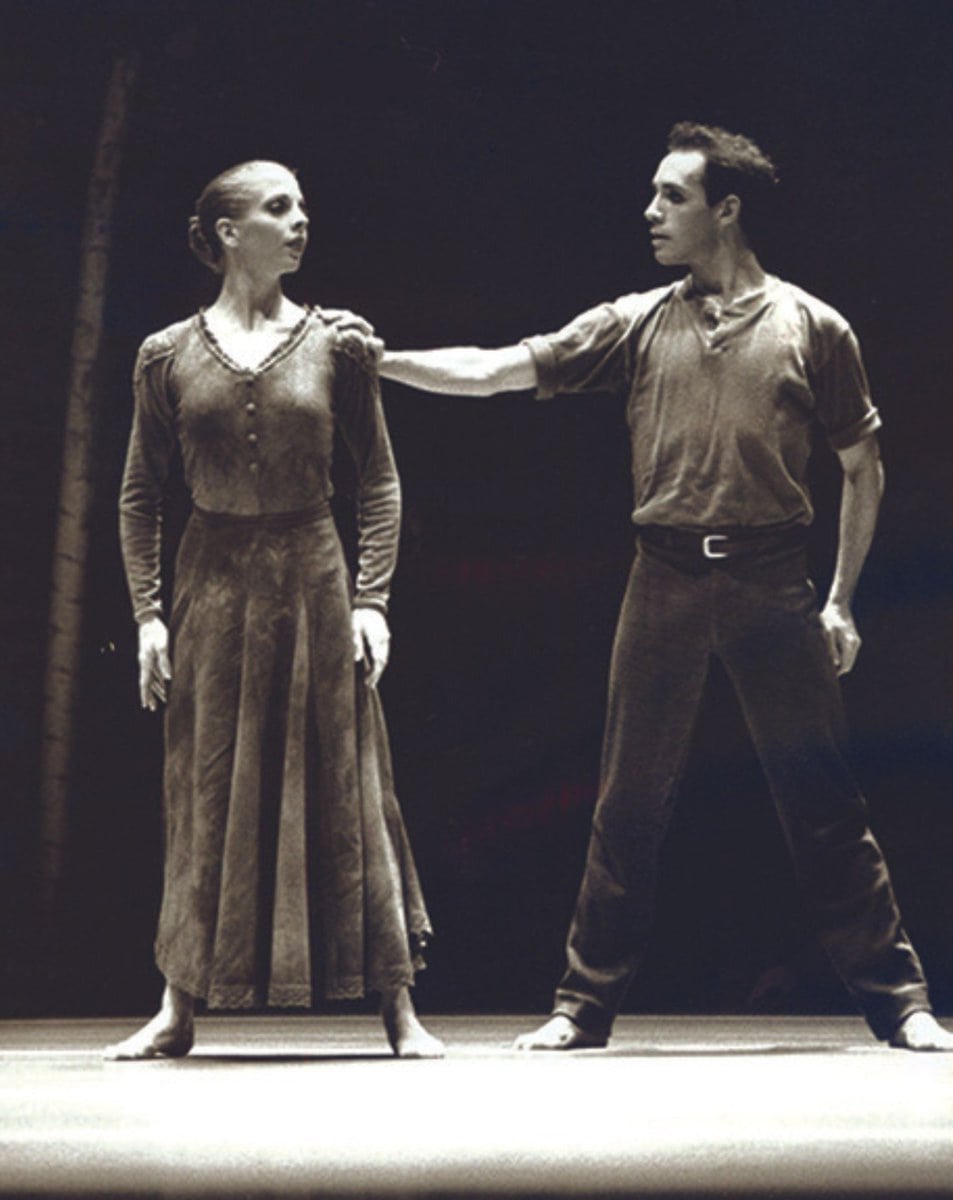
{"x":250,"y":303}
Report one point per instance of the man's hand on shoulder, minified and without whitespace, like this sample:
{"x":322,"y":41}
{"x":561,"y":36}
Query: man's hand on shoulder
{"x":354,"y":334}
{"x":843,"y":640}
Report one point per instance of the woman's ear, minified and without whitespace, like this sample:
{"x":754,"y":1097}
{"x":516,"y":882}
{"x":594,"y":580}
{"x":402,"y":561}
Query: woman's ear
{"x":227,"y":233}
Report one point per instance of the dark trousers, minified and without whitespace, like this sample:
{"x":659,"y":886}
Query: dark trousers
{"x":761,"y":619}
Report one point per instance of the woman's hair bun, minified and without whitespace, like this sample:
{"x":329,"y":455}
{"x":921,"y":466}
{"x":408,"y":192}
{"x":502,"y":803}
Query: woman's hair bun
{"x":199,"y":245}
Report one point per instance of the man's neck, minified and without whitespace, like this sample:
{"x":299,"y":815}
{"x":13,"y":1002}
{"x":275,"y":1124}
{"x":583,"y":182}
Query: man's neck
{"x":729,"y":273}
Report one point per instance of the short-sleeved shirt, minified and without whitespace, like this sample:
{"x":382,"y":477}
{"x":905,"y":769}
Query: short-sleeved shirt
{"x":722,"y":419}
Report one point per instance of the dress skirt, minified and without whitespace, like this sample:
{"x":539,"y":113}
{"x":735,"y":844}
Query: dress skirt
{"x":288,"y":873}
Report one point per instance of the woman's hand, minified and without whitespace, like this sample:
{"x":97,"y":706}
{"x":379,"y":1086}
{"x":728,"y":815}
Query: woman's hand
{"x":371,"y":642}
{"x":155,"y":670}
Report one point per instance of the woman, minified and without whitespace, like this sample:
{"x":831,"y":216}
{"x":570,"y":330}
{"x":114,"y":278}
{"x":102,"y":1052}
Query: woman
{"x":287,"y":867}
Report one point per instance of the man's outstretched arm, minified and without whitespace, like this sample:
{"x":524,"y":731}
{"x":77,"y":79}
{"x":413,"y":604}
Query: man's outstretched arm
{"x":860,"y":500}
{"x":462,"y":370}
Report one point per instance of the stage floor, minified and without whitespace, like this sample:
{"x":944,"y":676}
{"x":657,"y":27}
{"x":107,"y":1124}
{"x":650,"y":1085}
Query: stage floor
{"x":316,"y":1106}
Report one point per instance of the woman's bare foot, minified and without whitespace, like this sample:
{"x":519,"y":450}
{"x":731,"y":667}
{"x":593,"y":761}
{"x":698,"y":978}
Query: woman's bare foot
{"x":407,"y":1037}
{"x":559,"y":1033}
{"x":922,"y":1031}
{"x":170,"y":1033}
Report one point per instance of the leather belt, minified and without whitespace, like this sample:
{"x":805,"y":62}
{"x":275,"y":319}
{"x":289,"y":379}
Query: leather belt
{"x":720,"y":544}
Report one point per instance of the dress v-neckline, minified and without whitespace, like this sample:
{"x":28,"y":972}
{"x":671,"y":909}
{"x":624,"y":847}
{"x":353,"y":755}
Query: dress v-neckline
{"x":279,"y":351}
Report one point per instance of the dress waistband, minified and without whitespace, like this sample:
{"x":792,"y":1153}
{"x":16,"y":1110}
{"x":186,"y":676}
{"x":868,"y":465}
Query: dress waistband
{"x":278,"y":520}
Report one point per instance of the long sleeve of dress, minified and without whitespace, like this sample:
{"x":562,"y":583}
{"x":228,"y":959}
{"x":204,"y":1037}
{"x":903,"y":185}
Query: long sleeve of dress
{"x":151,"y":447}
{"x":360,"y":418}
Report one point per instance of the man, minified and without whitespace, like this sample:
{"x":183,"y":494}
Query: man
{"x":726,"y":375}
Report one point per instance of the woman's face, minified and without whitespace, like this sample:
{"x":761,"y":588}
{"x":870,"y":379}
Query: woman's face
{"x":271,"y":234}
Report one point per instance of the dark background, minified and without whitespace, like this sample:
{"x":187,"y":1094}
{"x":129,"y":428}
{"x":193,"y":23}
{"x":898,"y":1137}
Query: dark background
{"x":477,"y":171}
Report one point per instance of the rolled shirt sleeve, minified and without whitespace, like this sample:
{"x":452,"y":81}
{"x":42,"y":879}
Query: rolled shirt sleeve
{"x":844,"y":406}
{"x":590,"y":354}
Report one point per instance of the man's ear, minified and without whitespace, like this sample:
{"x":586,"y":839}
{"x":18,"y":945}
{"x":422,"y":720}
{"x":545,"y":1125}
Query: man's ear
{"x":729,"y":208}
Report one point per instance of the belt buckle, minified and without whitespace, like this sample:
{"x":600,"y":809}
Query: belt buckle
{"x":707,"y":549}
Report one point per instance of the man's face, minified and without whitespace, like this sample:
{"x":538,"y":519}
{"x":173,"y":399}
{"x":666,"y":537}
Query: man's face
{"x":683,"y":226}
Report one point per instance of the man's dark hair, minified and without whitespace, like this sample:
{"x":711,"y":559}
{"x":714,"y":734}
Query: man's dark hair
{"x":734,"y":165}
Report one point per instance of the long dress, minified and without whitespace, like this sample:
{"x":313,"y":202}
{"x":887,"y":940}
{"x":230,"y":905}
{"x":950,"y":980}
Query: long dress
{"x":288,"y":874}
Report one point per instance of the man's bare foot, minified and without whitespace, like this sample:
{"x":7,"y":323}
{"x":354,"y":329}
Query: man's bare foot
{"x":922,"y":1031}
{"x":407,"y":1037}
{"x":170,"y":1033}
{"x":559,"y":1033}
